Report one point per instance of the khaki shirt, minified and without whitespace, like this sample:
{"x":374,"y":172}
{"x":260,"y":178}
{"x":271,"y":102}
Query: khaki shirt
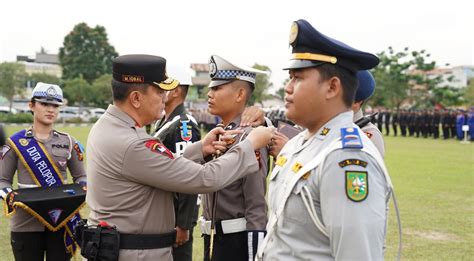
{"x":373,"y":133}
{"x":131,"y":185}
{"x":244,"y":197}
{"x":61,"y":147}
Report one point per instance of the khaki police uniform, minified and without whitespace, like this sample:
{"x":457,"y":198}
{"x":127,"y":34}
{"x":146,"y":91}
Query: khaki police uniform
{"x":65,"y":153}
{"x":176,"y":133}
{"x":372,"y":132}
{"x":30,"y":239}
{"x":241,"y":212}
{"x":132,"y":178}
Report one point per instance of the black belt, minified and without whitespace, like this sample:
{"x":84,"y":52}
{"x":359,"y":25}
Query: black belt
{"x":147,"y":241}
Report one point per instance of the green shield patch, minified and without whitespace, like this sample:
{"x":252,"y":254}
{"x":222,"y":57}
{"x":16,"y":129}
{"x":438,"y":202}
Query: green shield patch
{"x":357,"y":185}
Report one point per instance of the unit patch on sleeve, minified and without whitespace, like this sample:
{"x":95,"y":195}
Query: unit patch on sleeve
{"x":3,"y":150}
{"x":357,"y":185}
{"x":186,"y":130}
{"x":79,"y":150}
{"x":157,"y":147}
{"x":348,"y":162}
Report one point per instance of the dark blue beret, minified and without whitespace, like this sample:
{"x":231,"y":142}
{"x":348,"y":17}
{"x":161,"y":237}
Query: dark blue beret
{"x":142,"y":68}
{"x":366,"y":86}
{"x":312,"y":48}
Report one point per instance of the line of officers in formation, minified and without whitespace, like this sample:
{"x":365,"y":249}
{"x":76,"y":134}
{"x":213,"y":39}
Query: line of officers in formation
{"x":436,"y":123}
{"x":142,"y":187}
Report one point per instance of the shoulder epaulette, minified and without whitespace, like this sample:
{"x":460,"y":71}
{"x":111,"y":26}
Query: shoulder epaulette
{"x":351,"y":139}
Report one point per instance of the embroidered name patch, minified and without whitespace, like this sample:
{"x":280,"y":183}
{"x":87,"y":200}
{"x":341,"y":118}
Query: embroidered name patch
{"x":356,"y":162}
{"x":157,"y":147}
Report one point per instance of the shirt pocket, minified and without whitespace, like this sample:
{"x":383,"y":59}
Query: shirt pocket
{"x":295,"y":211}
{"x":60,"y":156}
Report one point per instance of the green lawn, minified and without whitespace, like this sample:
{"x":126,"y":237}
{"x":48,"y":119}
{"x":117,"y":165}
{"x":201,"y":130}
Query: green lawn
{"x":433,"y":181}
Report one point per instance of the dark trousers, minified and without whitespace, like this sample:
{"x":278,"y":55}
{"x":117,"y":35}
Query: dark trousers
{"x":435,"y":131}
{"x":387,"y":129}
{"x":403,"y":129}
{"x":185,"y":251}
{"x":395,"y":129}
{"x":227,"y":247}
{"x":453,"y":132}
{"x":31,"y":246}
{"x":446,"y":132}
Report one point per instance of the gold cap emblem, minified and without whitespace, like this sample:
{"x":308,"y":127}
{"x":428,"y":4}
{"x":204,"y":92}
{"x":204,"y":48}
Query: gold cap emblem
{"x":293,"y":32}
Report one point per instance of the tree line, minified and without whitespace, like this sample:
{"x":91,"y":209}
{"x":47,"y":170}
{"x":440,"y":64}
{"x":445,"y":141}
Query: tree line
{"x":86,"y":62}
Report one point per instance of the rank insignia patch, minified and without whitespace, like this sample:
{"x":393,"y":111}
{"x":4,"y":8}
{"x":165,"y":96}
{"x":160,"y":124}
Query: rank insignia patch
{"x":280,"y":161}
{"x":186,"y":131}
{"x":296,"y":167}
{"x":357,"y":185}
{"x":348,"y":162}
{"x":157,"y":147}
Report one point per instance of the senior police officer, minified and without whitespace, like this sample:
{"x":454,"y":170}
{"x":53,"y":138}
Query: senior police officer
{"x":176,"y":130}
{"x":238,"y":210}
{"x":319,"y":204}
{"x":41,"y":156}
{"x":132,"y":174}
{"x":366,"y":83}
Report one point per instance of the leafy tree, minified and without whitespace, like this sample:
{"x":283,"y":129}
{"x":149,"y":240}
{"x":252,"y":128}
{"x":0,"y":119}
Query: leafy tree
{"x":43,"y":77}
{"x":469,"y":94}
{"x":12,"y":80}
{"x":262,"y":84}
{"x":87,"y":53}
{"x":101,"y":93}
{"x":404,"y":75}
{"x":77,"y":91}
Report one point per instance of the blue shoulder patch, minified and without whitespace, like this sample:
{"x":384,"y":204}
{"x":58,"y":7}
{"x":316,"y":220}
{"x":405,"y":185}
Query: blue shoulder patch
{"x":351,"y":138}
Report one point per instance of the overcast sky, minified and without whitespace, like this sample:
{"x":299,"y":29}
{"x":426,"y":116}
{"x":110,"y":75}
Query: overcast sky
{"x":242,"y":31}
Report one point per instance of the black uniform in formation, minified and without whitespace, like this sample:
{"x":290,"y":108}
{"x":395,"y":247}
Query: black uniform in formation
{"x":177,"y":132}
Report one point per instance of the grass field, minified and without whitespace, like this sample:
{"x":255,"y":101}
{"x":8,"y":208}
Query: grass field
{"x":434,"y":183}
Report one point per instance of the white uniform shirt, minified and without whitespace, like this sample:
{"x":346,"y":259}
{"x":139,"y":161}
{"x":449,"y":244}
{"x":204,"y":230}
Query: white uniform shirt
{"x":356,"y":229}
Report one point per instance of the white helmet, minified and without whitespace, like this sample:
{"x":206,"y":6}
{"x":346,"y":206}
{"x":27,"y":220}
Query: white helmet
{"x":48,"y":93}
{"x":180,"y":73}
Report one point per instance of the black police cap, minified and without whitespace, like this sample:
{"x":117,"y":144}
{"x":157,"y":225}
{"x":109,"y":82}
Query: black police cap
{"x":142,"y":68}
{"x":312,"y":48}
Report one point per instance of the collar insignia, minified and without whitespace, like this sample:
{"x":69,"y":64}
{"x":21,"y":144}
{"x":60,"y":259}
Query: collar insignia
{"x":325,"y":131}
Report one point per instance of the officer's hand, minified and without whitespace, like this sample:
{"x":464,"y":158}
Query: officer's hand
{"x":261,"y":136}
{"x":182,"y":236}
{"x":278,"y":141}
{"x":252,"y":116}
{"x":215,"y":141}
